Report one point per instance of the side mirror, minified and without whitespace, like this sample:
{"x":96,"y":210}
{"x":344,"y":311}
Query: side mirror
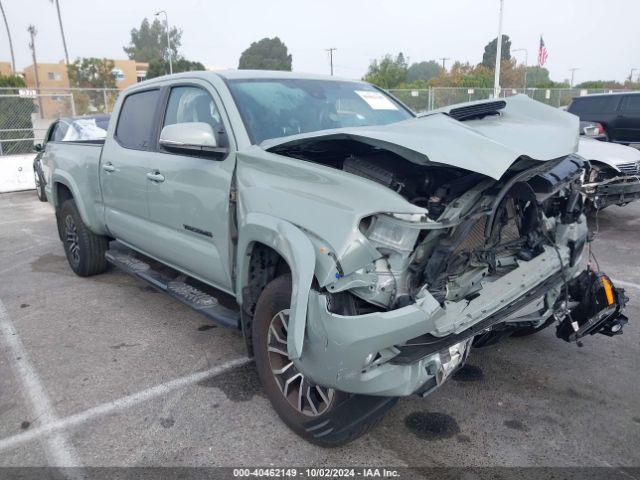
{"x":38,"y":147}
{"x":191,"y":138}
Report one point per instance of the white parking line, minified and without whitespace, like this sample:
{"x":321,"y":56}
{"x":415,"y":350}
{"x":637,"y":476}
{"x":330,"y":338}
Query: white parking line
{"x":56,"y":426}
{"x":58,"y":449}
{"x":626,"y":284}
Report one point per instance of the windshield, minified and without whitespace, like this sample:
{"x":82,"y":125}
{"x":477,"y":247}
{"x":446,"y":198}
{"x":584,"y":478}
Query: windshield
{"x":273,"y":108}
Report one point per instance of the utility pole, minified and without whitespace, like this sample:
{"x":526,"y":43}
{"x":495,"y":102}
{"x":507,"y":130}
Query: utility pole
{"x":573,"y":71}
{"x":166,"y":22}
{"x":32,"y":33}
{"x":496,"y":78}
{"x":444,"y":59}
{"x":331,"y":50}
{"x":526,"y":63}
{"x":6,"y":24}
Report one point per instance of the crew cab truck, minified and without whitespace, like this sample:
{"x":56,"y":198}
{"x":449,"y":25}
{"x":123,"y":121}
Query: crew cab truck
{"x":360,"y":250}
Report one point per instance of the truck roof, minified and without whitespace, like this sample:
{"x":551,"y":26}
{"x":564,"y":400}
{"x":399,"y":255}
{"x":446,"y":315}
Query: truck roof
{"x":253,"y":74}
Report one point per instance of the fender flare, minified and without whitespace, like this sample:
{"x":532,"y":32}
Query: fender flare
{"x":297,"y":250}
{"x":88,"y":218}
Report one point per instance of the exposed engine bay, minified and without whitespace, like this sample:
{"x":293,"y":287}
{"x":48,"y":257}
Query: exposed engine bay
{"x":475,"y":228}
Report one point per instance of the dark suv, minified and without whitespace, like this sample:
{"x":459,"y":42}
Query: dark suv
{"x":618,"y":114}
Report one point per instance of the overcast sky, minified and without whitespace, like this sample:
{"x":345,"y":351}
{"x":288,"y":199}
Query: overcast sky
{"x":602,"y":38}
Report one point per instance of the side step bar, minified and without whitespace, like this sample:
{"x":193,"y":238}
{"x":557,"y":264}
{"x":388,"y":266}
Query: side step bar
{"x":206,"y":304}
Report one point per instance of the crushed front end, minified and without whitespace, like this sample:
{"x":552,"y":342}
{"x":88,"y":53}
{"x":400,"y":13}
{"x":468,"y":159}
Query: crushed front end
{"x":605,"y":186}
{"x":486,"y":257}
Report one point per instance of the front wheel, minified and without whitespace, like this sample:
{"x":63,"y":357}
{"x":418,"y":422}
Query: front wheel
{"x":42,"y":196}
{"x":321,"y":415}
{"x":84,"y":249}
{"x":526,"y":331}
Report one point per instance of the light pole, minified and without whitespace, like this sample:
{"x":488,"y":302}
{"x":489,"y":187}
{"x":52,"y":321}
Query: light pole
{"x":166,"y":22}
{"x":573,"y":71}
{"x":331,"y":50}
{"x":496,"y":78}
{"x":526,"y":62}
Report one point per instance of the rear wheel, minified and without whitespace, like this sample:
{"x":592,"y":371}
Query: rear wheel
{"x":319,"y":414}
{"x":84,"y":249}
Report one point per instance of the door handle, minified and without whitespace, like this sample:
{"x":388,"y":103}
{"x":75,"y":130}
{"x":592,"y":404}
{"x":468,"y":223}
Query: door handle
{"x":155,"y":177}
{"x":108,"y":167}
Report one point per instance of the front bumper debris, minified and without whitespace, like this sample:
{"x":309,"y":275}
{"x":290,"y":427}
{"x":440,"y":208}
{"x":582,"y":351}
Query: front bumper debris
{"x":598,"y":310}
{"x":613,"y":191}
{"x":366,"y":354}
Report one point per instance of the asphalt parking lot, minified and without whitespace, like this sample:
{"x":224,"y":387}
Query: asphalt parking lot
{"x":105,"y":371}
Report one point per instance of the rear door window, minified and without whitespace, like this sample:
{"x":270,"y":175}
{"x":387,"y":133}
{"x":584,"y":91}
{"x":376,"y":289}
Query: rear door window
{"x":595,"y":104}
{"x":59,"y":131}
{"x":136,"y":121}
{"x":630,"y":104}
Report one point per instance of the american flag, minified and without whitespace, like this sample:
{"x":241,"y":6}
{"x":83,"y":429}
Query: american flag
{"x":542,"y":53}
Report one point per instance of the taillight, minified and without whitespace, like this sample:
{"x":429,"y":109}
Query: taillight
{"x":600,"y":129}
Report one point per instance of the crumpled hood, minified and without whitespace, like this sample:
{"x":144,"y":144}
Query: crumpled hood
{"x":524,"y":128}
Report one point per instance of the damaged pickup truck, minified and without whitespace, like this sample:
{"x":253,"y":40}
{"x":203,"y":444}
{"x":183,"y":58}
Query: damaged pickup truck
{"x":361,"y":250}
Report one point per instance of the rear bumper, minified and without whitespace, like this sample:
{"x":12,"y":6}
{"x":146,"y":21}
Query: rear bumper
{"x":614,"y":191}
{"x":369,"y":354}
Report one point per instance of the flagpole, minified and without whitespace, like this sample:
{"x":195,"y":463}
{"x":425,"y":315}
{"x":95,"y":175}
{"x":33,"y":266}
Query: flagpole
{"x":496,"y":79}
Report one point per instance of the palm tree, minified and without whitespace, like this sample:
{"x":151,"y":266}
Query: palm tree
{"x":64,"y":41}
{"x":6,"y":24}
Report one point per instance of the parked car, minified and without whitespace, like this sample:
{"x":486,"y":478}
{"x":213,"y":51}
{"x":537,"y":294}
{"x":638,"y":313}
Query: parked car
{"x":87,"y":128}
{"x":359,"y":249}
{"x":614,"y":177}
{"x":593,"y":130}
{"x":618,"y":114}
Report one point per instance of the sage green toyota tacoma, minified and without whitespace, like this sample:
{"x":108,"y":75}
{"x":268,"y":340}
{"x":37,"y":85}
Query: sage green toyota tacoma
{"x":361,"y":250}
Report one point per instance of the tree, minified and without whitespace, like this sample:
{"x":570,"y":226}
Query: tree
{"x":489,"y":56}
{"x":266,"y":54}
{"x":538,"y":77}
{"x":423,"y":71}
{"x":388,"y":72}
{"x":149,"y":42}
{"x":158,"y":68}
{"x":601,"y":85}
{"x":6,"y":25}
{"x":91,"y":73}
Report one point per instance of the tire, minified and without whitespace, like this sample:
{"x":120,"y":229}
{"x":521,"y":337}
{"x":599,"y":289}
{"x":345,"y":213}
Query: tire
{"x":339,"y":417}
{"x":526,"y":331}
{"x":42,"y":196}
{"x":84,"y":249}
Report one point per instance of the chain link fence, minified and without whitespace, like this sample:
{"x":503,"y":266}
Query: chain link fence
{"x":422,"y":100}
{"x":25,"y":114}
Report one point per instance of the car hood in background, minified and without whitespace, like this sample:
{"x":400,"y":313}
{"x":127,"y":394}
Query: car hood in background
{"x":611,"y":154}
{"x":524,"y":128}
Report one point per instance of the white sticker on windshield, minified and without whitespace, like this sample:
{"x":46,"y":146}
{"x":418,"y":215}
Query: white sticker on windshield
{"x":376,"y":100}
